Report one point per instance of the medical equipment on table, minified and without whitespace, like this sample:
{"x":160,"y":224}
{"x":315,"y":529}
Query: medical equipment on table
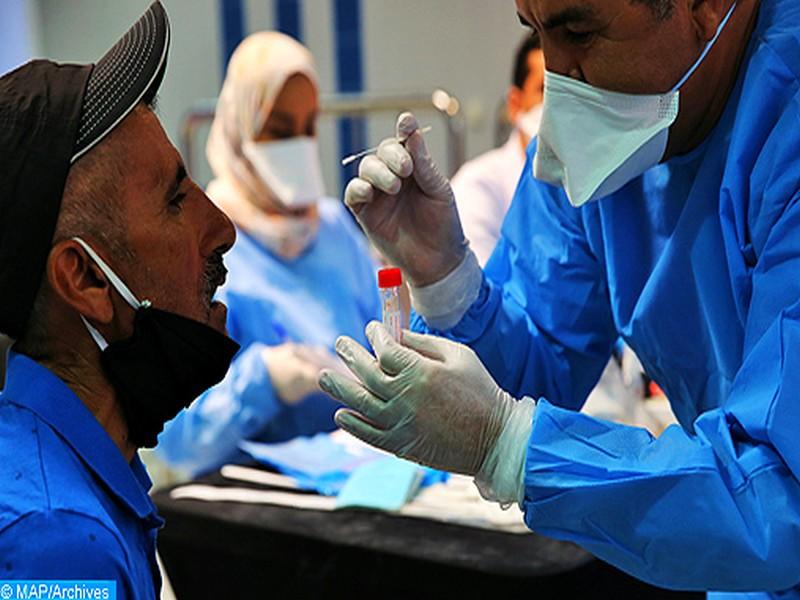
{"x":354,"y":157}
{"x":389,"y":282}
{"x":323,"y":463}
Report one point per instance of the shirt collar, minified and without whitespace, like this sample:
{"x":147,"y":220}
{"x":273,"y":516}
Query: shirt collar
{"x":513,"y":147}
{"x":33,"y":386}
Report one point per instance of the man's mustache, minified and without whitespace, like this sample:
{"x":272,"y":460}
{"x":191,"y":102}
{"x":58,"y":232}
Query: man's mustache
{"x":214,"y":275}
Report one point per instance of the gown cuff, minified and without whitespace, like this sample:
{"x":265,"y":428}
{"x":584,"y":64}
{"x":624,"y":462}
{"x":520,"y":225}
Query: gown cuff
{"x":444,"y":303}
{"x":502,"y":475}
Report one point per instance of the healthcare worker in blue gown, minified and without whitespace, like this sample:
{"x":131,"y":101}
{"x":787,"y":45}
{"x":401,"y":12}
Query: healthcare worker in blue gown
{"x":299,"y":274}
{"x":661,"y":204}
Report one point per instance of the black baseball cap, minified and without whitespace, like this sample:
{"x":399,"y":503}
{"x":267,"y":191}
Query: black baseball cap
{"x":51,"y":114}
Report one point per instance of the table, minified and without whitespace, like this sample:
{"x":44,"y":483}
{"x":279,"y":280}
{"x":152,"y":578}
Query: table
{"x":234,"y":550}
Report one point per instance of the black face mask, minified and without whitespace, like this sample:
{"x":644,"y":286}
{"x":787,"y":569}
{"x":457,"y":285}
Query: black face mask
{"x":168,"y":362}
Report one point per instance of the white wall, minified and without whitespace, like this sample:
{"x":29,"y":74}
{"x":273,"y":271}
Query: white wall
{"x":463,"y":46}
{"x":19,"y":33}
{"x":82,"y":30}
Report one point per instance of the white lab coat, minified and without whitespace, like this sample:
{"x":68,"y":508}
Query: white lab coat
{"x":484,"y":187}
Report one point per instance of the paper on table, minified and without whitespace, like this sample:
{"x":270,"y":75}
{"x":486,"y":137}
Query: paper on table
{"x":321,"y":463}
{"x":385,"y":484}
{"x":209,"y":493}
{"x":239,"y":473}
{"x":458,"y":501}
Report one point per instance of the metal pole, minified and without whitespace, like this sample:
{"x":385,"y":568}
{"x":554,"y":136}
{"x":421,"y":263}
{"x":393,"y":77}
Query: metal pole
{"x":444,"y":104}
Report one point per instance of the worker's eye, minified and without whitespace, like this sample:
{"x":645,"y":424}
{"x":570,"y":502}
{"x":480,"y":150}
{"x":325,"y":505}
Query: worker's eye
{"x":579,"y":38}
{"x":176,"y":203}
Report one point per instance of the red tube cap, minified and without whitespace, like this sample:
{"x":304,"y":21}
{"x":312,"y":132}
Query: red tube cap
{"x":389,"y":278}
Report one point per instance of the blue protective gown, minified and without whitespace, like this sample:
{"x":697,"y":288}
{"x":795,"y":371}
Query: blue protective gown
{"x":328,"y":291}
{"x":696,"y":265}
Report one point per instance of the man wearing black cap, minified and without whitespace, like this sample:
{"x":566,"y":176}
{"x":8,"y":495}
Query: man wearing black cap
{"x":109,"y":259}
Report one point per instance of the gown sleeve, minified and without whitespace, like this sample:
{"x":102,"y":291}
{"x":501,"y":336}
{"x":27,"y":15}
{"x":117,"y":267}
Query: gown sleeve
{"x":542,"y":322}
{"x":715,"y":509}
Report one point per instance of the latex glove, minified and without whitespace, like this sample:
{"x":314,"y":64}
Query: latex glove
{"x":432,"y":401}
{"x":294,"y":369}
{"x":407,"y":208}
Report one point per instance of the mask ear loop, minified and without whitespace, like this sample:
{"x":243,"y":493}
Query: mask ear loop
{"x":706,"y":50}
{"x":117,"y":284}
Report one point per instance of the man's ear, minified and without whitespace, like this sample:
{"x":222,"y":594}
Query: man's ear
{"x":513,"y":102}
{"x":707,"y":15}
{"x":78,"y":282}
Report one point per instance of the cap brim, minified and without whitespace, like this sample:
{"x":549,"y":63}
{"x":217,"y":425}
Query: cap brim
{"x":129,"y":73}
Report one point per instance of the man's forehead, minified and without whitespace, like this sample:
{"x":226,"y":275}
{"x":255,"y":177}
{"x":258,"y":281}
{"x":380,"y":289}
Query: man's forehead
{"x":149,"y":158}
{"x":549,"y":14}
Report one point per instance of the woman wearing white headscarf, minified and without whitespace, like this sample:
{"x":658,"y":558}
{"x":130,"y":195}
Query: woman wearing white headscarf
{"x":299,"y":274}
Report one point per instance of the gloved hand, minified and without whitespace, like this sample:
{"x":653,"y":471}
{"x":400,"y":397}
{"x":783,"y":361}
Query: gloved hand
{"x":407,"y":208}
{"x":294,"y":369}
{"x":431,"y":400}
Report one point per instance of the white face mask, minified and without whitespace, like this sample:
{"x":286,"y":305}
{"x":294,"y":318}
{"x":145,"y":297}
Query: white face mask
{"x":594,"y":141}
{"x":529,"y":121}
{"x":289,"y":168}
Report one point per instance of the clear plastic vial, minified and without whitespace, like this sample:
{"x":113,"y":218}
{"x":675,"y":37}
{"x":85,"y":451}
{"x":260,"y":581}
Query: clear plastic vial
{"x":389,"y":282}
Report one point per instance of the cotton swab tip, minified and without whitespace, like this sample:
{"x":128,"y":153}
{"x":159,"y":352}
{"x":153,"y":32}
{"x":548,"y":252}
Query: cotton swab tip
{"x":354,"y":157}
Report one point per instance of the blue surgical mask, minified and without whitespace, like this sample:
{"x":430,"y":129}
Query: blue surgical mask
{"x":594,"y":141}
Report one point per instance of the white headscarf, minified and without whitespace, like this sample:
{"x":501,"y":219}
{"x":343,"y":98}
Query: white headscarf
{"x":257,"y":72}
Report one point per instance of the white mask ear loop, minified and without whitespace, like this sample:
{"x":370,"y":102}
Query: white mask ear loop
{"x":117,"y":284}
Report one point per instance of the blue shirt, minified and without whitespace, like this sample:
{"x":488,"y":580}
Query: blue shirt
{"x":696,"y":264}
{"x":71,"y":507}
{"x":329,"y":290}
